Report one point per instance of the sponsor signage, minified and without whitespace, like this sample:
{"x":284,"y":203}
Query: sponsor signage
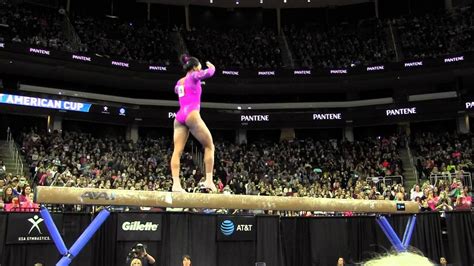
{"x":122,"y":112}
{"x":413,"y":64}
{"x":401,"y":207}
{"x":236,"y":228}
{"x":105,"y":110}
{"x":327,"y":116}
{"x":338,"y":71}
{"x":245,"y":73}
{"x":93,"y":195}
{"x":302,"y":72}
{"x":255,"y":118}
{"x":29,"y":228}
{"x":266,"y":73}
{"x":40,"y":51}
{"x":375,"y":68}
{"x":120,"y":64}
{"x":401,"y":111}
{"x":171,"y":115}
{"x":44,"y":103}
{"x":157,"y":68}
{"x":230,"y":72}
{"x":469,"y":105}
{"x":139,"y":227}
{"x":454,"y":59}
{"x":82,"y":58}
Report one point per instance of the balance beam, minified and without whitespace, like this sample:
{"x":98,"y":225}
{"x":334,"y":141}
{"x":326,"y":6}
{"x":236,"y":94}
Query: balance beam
{"x":109,"y":197}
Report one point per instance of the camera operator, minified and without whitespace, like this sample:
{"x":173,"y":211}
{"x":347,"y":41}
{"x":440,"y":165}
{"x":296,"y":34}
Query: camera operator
{"x":138,"y":252}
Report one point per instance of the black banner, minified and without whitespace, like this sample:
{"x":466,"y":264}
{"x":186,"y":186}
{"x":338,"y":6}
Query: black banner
{"x":30,"y":228}
{"x":236,"y":228}
{"x":122,"y":63}
{"x":139,"y":227}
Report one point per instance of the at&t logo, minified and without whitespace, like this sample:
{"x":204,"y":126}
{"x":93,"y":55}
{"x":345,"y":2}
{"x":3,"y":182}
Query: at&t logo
{"x":227,"y":227}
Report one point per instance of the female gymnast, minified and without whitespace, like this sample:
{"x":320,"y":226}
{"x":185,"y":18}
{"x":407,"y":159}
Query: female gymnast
{"x":188,"y":120}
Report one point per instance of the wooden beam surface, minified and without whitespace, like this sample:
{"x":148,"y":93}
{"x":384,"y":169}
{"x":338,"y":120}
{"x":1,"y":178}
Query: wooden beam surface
{"x":110,"y":197}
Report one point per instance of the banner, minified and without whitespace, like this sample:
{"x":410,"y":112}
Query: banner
{"x":30,"y":228}
{"x":236,"y":228}
{"x":44,"y":103}
{"x":139,"y":227}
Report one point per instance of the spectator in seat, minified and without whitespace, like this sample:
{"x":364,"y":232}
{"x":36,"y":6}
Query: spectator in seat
{"x":14,"y":185}
{"x":25,"y":194}
{"x":464,"y":201}
{"x":444,"y":202}
{"x":416,"y":192}
{"x":432,"y":200}
{"x":8,"y":195}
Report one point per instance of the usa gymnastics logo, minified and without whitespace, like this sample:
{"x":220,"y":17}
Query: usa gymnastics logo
{"x":227,"y":227}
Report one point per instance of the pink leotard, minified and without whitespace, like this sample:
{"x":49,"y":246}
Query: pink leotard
{"x":189,"y":92}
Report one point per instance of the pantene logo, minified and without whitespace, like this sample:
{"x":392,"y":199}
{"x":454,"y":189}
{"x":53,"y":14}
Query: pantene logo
{"x":120,"y":64}
{"x":39,"y":51}
{"x":254,"y":118}
{"x":375,"y":68}
{"x":302,"y":72}
{"x":230,"y":73}
{"x":266,"y":73}
{"x":81,"y":58}
{"x":338,"y":71}
{"x":336,"y":116}
{"x":454,"y":59}
{"x":139,"y":226}
{"x":401,"y":111}
{"x":157,"y":68}
{"x":414,"y":64}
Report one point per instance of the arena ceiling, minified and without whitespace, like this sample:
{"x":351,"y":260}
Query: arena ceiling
{"x":259,"y":3}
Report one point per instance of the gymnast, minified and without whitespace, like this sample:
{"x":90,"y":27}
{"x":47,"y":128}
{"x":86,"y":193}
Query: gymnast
{"x":188,"y":119}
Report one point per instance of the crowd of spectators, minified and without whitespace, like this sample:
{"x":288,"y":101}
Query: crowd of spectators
{"x":339,"y":46}
{"x":332,"y":169}
{"x":32,"y":26}
{"x":446,"y":153}
{"x":436,"y":34}
{"x":442,"y":196}
{"x":298,"y":168}
{"x":444,"y":160}
{"x":236,"y":48}
{"x":145,"y":42}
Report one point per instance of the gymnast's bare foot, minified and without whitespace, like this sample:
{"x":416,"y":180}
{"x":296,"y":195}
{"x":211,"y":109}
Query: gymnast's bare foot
{"x":178,"y":188}
{"x":210,"y":185}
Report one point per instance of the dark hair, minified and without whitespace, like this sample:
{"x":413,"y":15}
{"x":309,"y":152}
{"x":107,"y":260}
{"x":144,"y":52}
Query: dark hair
{"x":187,"y":257}
{"x":23,"y":192}
{"x":189,"y":62}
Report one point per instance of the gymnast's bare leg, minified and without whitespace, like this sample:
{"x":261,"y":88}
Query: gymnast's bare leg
{"x":199,"y":130}
{"x":180,"y":136}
